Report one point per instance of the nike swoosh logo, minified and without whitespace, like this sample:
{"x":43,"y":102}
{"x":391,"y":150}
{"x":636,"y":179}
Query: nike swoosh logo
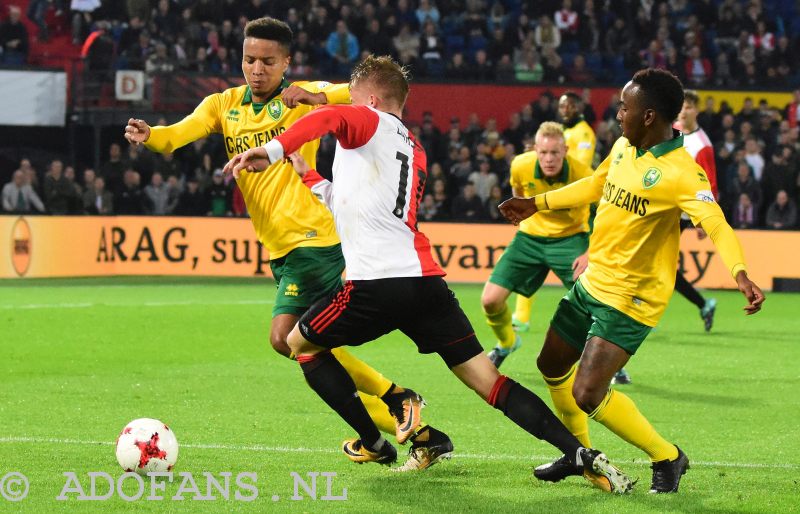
{"x":409,"y":419}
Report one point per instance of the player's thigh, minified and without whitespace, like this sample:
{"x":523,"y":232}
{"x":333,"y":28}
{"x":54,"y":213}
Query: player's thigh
{"x":601,"y":359}
{"x":436,"y":322}
{"x":561,"y":253}
{"x":306,"y":275}
{"x":523,"y":267}
{"x":571,"y":323}
{"x":351,"y":316}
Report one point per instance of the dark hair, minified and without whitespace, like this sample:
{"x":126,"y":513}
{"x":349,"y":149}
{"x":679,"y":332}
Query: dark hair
{"x":271,"y":29}
{"x":662,"y":91}
{"x":572,"y":95}
{"x":691,"y":96}
{"x":385,"y":74}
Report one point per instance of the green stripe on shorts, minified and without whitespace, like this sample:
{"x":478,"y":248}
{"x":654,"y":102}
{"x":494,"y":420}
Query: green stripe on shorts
{"x":580,"y":316}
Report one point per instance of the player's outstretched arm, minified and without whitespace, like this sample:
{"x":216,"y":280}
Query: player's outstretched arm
{"x":295,"y":95}
{"x":517,"y":209}
{"x":137,"y":131}
{"x":755,"y":297}
{"x":253,"y":160}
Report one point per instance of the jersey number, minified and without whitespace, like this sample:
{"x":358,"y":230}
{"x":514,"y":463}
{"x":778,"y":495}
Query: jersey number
{"x":401,"y":188}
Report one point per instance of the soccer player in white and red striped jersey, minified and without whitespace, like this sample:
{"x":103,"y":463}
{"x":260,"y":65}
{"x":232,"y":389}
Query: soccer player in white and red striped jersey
{"x":393,"y":283}
{"x":697,"y":143}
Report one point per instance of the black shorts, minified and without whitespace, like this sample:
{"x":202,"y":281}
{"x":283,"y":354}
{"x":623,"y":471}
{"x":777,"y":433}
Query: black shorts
{"x":423,"y":308}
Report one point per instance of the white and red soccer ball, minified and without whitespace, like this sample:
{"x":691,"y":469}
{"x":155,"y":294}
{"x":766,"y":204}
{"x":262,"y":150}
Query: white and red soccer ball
{"x":146,"y":445}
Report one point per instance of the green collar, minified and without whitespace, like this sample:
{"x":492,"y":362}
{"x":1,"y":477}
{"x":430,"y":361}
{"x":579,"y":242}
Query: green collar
{"x":258,"y":106}
{"x":537,"y":173}
{"x":665,"y":147}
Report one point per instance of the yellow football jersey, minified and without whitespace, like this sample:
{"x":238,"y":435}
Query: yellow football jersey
{"x":581,"y":142}
{"x":526,"y":174}
{"x":634,"y":246}
{"x":285,"y":213}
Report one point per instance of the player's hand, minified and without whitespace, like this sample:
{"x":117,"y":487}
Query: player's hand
{"x":252,"y":160}
{"x":293,"y":96}
{"x":751,"y":291}
{"x":579,"y":265}
{"x":517,"y":209}
{"x":300,"y":164}
{"x":137,"y":131}
{"x":701,"y":234}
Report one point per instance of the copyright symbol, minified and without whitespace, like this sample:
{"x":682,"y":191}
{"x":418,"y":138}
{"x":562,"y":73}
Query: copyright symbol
{"x":14,"y":486}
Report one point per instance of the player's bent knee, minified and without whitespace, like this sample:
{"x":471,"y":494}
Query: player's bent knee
{"x":491,"y":305}
{"x":280,"y":344}
{"x":588,"y":399}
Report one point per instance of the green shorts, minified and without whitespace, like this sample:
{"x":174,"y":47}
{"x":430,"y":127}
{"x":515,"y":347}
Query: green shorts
{"x":527,"y":260}
{"x":305,"y":275}
{"x":580,"y":316}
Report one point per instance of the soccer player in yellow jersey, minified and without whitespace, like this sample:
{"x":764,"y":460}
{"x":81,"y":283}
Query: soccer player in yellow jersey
{"x":643,"y":185}
{"x":581,"y":143}
{"x":547,"y":241}
{"x":298,"y":230}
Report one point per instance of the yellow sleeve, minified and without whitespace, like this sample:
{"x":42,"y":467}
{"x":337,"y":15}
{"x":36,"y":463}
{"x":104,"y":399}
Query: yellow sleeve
{"x":584,"y":151}
{"x":202,"y":122}
{"x":335,"y":93}
{"x":581,"y":192}
{"x":516,"y":179}
{"x":696,"y":199}
{"x":726,"y":242}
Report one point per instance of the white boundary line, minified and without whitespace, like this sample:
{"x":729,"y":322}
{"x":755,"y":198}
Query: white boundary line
{"x":85,"y":305}
{"x":473,"y":456}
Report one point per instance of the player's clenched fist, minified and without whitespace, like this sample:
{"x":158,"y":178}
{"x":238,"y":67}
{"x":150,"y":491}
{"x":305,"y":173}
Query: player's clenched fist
{"x":293,"y":96}
{"x":517,"y":209}
{"x":137,"y":131}
{"x":254,"y":159}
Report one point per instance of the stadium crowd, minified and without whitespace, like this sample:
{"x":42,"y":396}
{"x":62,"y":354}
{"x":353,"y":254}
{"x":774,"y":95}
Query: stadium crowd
{"x":727,"y":43}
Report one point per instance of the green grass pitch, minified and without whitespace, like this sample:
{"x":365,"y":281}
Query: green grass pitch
{"x":81,"y":358}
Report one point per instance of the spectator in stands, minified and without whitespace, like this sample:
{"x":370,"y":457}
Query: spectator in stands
{"x":428,"y":211}
{"x":159,"y":62}
{"x":113,"y":168}
{"x":75,"y":205}
{"x":19,"y":197}
{"x":192,"y":202}
{"x":13,"y":39}
{"x":745,"y":184}
{"x":496,"y":197}
{"x":457,"y":68}
{"x":432,"y":50}
{"x":427,"y":12}
{"x":342,"y":47}
{"x":59,"y":193}
{"x":442,"y":200}
{"x":752,"y":154}
{"x":219,"y":195}
{"x":377,"y":41}
{"x":461,"y":169}
{"x":744,"y":215}
{"x":546,"y":35}
{"x":567,"y":22}
{"x":483,"y":179}
{"x":37,"y":11}
{"x":98,"y":200}
{"x":82,"y":18}
{"x":161,"y":199}
{"x":467,"y":206}
{"x":130,"y":200}
{"x":579,"y":73}
{"x":782,"y":214}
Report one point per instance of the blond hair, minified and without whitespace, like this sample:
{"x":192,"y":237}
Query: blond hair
{"x":385,"y":74}
{"x":550,"y":129}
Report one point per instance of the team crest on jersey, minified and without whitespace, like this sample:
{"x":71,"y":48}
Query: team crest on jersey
{"x":275,"y":109}
{"x":651,"y":177}
{"x":233,"y":115}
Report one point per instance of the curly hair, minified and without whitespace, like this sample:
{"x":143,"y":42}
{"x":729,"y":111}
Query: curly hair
{"x":271,"y":29}
{"x":662,"y":91}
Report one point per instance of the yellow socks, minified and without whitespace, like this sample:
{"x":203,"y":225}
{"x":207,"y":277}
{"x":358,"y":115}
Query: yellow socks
{"x":620,"y":415}
{"x":500,"y":323}
{"x":522,"y":312}
{"x":367,"y":379}
{"x":379,"y":413}
{"x":576,"y":421}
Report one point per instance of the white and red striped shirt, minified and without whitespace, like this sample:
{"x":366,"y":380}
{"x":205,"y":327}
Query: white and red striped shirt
{"x":379,"y":173}
{"x":700,"y":148}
